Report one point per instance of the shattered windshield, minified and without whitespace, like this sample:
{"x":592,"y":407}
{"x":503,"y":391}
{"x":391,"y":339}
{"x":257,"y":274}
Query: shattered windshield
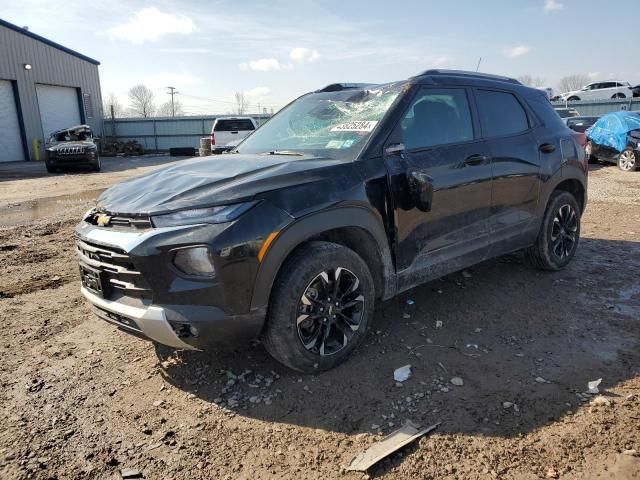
{"x":327,"y":124}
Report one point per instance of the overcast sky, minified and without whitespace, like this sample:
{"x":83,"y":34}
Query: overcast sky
{"x":276,"y":50}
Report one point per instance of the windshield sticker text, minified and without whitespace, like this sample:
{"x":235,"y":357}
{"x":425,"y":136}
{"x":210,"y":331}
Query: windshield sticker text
{"x":356,"y":126}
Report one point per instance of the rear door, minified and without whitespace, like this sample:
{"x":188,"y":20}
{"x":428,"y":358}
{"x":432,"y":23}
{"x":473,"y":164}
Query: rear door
{"x":437,"y":135}
{"x":508,"y":129}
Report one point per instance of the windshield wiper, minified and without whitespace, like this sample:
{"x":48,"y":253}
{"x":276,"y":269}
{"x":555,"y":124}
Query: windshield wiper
{"x":284,"y":152}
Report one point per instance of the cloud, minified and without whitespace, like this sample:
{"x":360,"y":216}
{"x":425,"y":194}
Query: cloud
{"x":304,"y":55}
{"x":264,"y":65}
{"x":150,"y":24}
{"x":552,"y":5}
{"x":517,"y":51}
{"x":164,"y":79}
{"x":257,"y":92}
{"x":185,"y":50}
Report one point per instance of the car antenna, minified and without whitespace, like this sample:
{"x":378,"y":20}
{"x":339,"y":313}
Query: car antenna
{"x":478,"y":66}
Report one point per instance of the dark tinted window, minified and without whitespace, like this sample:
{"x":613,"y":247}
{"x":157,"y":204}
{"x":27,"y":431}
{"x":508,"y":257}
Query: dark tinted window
{"x":232,"y":125}
{"x":545,"y":112}
{"x":500,"y":113}
{"x":580,"y":124}
{"x":437,"y":117}
{"x":608,"y":85}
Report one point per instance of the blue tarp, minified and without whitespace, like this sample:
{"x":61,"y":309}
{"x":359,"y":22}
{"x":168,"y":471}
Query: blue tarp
{"x":611,"y":129}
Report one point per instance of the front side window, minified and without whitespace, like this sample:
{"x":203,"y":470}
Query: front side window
{"x":500,"y":113}
{"x":437,"y":117}
{"x":326,"y":124}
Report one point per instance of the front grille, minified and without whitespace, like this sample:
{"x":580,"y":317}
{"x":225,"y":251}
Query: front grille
{"x":71,"y":150}
{"x":115,"y":268}
{"x":141,"y":222}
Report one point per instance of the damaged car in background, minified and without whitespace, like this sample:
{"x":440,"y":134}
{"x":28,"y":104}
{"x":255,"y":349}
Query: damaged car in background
{"x":72,"y":147}
{"x":615,"y":138}
{"x":347,"y":196}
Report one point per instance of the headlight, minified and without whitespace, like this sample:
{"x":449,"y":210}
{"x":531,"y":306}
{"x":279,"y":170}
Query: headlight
{"x":194,"y":261}
{"x":221,"y":214}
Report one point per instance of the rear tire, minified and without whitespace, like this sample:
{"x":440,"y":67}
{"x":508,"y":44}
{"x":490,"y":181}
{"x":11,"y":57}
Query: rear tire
{"x":559,"y":234}
{"x":627,"y":161}
{"x":619,"y":95}
{"x":321,"y":306}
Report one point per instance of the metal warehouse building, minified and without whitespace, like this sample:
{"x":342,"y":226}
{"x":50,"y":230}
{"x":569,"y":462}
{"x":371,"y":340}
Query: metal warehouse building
{"x":43,"y":87}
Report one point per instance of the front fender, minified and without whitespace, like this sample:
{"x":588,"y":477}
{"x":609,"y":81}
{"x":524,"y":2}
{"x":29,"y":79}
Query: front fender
{"x":312,"y":225}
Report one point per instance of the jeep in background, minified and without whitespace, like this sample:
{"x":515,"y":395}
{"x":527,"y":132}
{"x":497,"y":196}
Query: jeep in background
{"x":349,"y":195}
{"x":71,"y":147}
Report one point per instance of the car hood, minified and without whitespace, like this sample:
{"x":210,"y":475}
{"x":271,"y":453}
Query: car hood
{"x":208,"y":181}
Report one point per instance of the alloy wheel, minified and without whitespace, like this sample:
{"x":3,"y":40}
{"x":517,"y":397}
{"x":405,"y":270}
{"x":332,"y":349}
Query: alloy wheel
{"x":627,"y":160}
{"x":564,"y":231}
{"x":330,"y":311}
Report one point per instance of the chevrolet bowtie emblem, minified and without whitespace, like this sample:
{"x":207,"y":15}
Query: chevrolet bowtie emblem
{"x":103,"y":220}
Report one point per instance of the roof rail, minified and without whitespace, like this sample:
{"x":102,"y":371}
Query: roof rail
{"x":465,"y":73}
{"x":336,"y":87}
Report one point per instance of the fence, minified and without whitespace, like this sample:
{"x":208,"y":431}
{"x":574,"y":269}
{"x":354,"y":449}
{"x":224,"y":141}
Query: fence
{"x":161,"y":134}
{"x":596,"y":108}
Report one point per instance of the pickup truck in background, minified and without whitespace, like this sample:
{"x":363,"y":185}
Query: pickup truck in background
{"x":231,"y":130}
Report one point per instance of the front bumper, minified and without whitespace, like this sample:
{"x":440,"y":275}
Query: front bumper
{"x":129,"y":276}
{"x":150,"y":321}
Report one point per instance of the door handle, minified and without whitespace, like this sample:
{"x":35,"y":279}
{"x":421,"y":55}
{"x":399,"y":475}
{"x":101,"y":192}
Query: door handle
{"x":476,"y":159}
{"x":547,"y":148}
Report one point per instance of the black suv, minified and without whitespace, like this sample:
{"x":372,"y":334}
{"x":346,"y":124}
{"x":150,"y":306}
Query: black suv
{"x":349,"y":195}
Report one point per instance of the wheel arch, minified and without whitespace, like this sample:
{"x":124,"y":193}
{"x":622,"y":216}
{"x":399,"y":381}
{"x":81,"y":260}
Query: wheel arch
{"x":357,"y":228}
{"x":575,"y":187}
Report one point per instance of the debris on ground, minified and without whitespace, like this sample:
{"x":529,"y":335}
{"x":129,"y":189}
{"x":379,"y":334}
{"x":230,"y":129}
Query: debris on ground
{"x":402,"y":374}
{"x":457,"y":381}
{"x":552,"y":473}
{"x":389,"y":444}
{"x":600,"y":400}
{"x":439,"y":324}
{"x":127,"y":473}
{"x":593,"y":386}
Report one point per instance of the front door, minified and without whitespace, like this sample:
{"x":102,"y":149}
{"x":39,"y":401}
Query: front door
{"x":438,"y":138}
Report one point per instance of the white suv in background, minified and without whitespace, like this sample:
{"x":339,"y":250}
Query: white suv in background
{"x":599,"y":91}
{"x":227,"y":132}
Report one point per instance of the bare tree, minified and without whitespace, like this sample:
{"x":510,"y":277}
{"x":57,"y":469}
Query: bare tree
{"x":242,"y":105}
{"x":109,"y":102}
{"x":141,"y":99}
{"x":165,"y":109}
{"x":530,"y":81}
{"x":572,"y":82}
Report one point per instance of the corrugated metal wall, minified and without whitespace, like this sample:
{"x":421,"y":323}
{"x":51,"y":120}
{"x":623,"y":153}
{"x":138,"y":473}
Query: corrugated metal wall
{"x":49,"y":66}
{"x":596,"y":108}
{"x":161,"y":134}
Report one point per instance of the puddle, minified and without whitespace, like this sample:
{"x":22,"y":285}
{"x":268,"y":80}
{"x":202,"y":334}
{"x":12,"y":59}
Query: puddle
{"x":19,"y":213}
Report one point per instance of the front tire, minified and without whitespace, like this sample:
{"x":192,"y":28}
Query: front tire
{"x":96,"y":166}
{"x":559,"y":234}
{"x":573,"y":98}
{"x":321,"y":306}
{"x":627,"y":161}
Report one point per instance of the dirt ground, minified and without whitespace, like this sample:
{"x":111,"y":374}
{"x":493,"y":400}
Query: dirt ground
{"x":80,"y":399}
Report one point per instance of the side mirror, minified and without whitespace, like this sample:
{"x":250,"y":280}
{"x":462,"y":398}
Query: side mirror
{"x":394,"y":149}
{"x":420,"y":189}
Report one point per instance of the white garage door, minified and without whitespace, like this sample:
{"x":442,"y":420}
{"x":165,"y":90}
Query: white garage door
{"x":58,"y":108}
{"x":10,"y":139}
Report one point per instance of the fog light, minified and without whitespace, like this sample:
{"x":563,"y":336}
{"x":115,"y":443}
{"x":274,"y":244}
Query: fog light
{"x":194,"y":261}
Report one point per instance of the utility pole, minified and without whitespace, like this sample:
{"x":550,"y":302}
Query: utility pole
{"x":172,"y":91}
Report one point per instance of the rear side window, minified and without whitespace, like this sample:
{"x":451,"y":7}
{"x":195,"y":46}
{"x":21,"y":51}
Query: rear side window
{"x":437,"y":117}
{"x":233,"y":125}
{"x":500,"y":113}
{"x":545,"y":112}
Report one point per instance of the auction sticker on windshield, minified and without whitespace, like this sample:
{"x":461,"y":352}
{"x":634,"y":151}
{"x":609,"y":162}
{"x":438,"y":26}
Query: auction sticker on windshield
{"x":356,"y":126}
